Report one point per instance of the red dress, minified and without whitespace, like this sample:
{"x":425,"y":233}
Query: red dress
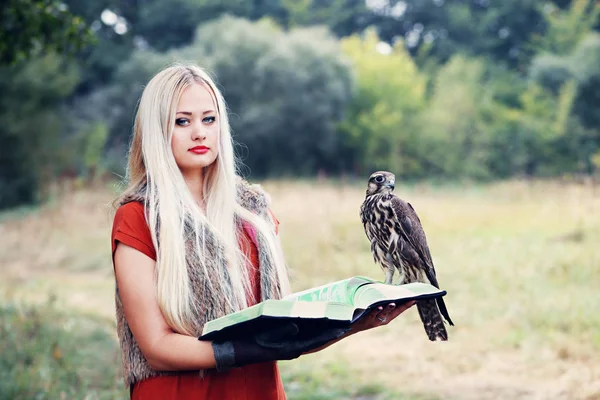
{"x":252,"y":382}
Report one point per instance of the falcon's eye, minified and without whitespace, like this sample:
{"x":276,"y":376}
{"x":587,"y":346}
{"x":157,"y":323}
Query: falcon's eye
{"x":379,"y":179}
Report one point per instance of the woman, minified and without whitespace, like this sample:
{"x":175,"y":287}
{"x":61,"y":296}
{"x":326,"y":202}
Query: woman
{"x":191,"y":242}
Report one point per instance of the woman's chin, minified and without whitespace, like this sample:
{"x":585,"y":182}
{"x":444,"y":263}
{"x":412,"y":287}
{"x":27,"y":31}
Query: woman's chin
{"x":197,"y":166}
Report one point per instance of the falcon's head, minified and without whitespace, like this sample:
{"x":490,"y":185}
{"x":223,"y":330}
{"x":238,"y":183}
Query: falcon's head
{"x":381,"y":182}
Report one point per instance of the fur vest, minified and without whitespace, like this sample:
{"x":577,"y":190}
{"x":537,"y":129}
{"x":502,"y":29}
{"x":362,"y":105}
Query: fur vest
{"x":208,"y":304}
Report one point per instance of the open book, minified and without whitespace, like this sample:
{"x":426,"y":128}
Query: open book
{"x":334,"y":305}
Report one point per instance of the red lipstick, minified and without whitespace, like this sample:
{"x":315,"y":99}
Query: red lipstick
{"x":199,"y":149}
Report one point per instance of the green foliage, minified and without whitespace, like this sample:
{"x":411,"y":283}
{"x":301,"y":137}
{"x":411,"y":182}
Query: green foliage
{"x":547,"y":128}
{"x":483,"y":123}
{"x":156,"y":17}
{"x":285,"y":91}
{"x":343,"y":17}
{"x":568,"y":49}
{"x":566,"y":28}
{"x":30,"y":128}
{"x":535,"y":134}
{"x":469,"y":89}
{"x":94,"y":142}
{"x":45,"y":354}
{"x":584,"y":64}
{"x":455,"y":141}
{"x":551,"y":71}
{"x":150,"y":25}
{"x":30,"y":27}
{"x":500,"y":30}
{"x":569,"y":58}
{"x":379,"y":127}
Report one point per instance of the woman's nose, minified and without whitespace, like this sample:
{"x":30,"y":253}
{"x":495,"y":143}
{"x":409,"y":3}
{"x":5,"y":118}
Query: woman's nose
{"x":198,"y":133}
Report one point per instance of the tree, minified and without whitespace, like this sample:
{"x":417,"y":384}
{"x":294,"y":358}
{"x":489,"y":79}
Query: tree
{"x":569,"y":57}
{"x":30,"y":126}
{"x":566,"y":27}
{"x":454,"y":139}
{"x":125,"y":26}
{"x":499,"y":29}
{"x":286,"y":92}
{"x":34,"y":80}
{"x":539,"y":138}
{"x":31,"y":27}
{"x":379,"y":130}
{"x":342,"y":17}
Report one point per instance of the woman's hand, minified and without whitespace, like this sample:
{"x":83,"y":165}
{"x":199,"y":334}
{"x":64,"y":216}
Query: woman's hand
{"x":277,"y":344}
{"x":379,"y":316}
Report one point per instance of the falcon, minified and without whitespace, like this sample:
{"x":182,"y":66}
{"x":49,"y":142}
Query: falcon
{"x":398,"y":242}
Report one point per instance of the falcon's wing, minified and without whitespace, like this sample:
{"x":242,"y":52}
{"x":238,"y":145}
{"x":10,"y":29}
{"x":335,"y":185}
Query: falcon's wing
{"x":414,"y":235}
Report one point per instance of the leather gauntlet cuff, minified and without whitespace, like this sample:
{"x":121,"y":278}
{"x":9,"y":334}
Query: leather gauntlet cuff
{"x":224,"y":355}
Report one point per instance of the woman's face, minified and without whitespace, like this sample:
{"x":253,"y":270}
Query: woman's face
{"x":195,"y":141}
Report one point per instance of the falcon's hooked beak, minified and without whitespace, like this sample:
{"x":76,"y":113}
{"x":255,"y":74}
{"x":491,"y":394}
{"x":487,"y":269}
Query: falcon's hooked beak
{"x":390,"y":184}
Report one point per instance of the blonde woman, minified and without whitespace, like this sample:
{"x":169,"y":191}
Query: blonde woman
{"x":191,"y":241}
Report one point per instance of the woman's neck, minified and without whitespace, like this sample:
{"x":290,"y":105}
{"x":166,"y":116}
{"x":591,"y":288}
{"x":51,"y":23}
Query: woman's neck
{"x":195,"y":183}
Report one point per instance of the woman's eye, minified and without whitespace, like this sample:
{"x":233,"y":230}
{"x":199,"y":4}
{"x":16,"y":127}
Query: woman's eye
{"x":209,"y":120}
{"x":182,"y":121}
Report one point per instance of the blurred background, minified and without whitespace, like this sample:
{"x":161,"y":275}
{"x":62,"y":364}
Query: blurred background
{"x":487,"y":112}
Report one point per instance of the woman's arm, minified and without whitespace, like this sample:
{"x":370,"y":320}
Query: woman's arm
{"x":164,"y":349}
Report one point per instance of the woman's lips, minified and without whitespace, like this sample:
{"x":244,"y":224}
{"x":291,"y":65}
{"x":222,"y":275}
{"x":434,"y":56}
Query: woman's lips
{"x":199,"y":149}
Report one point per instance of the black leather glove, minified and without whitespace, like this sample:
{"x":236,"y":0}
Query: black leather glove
{"x":278,"y":344}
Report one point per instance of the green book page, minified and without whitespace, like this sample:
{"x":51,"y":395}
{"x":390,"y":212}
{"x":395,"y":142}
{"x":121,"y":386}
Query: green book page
{"x":282,"y":309}
{"x":247,"y":314}
{"x":340,"y":291}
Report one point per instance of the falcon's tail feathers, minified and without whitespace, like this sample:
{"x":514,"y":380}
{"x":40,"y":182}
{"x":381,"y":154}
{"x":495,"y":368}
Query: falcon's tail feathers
{"x":444,"y":310}
{"x":432,"y":320}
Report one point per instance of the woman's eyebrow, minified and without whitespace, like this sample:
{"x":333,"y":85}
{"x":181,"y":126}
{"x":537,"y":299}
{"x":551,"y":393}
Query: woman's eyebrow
{"x":209,"y":111}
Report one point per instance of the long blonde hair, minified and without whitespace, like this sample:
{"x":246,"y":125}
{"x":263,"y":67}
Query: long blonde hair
{"x":170,"y":203}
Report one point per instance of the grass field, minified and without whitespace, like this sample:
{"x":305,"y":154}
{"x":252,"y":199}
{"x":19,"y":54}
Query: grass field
{"x":519,"y":261}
